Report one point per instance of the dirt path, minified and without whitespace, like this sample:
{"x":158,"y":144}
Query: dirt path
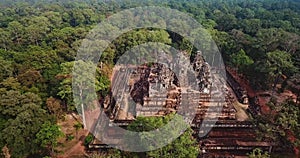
{"x":71,"y":148}
{"x":78,"y":149}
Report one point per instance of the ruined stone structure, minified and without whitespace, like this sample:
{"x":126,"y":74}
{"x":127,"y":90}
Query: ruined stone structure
{"x":202,"y":70}
{"x":158,"y":89}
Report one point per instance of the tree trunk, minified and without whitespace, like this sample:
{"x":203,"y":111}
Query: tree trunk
{"x":36,"y":42}
{"x":82,"y":109}
{"x":297,"y":98}
{"x":270,"y":149}
{"x":52,"y":151}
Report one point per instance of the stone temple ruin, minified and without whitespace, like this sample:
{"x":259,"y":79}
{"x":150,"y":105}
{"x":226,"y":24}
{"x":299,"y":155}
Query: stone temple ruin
{"x":157,"y":89}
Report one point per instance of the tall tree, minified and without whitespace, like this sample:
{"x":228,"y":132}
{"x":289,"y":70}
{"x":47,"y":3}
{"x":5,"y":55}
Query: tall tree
{"x":37,"y":29}
{"x":6,"y":69}
{"x":183,"y":146}
{"x":87,"y":74}
{"x":241,"y":61}
{"x":268,"y":40}
{"x":55,"y":107}
{"x":24,"y":117}
{"x":16,"y":30}
{"x":279,"y":63}
{"x":5,"y":39}
{"x":54,"y":18}
{"x":281,"y":124}
{"x":48,"y":135}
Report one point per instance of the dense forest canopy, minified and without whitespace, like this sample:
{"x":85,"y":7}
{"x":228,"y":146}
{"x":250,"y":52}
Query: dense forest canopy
{"x":39,"y":40}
